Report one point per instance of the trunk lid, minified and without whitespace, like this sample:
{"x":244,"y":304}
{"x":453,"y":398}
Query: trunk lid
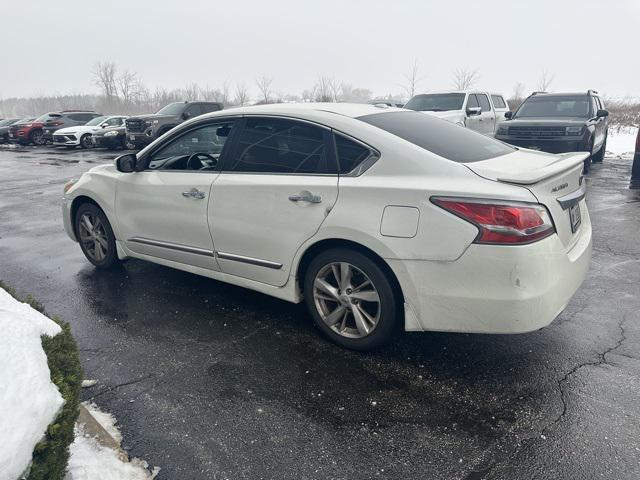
{"x":555,"y":180}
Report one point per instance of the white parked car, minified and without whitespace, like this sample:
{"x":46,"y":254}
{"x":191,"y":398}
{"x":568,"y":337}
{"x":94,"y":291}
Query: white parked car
{"x":81,"y":134}
{"x":375,"y":217}
{"x":479,"y":111}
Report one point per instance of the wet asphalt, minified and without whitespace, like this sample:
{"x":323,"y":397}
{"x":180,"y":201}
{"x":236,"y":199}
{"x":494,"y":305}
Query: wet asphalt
{"x":210,"y":381}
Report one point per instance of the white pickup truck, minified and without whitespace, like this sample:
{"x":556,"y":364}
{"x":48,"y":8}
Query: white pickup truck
{"x":479,"y":111}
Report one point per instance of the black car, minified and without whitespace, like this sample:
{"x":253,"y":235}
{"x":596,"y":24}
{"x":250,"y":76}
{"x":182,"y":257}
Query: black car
{"x":559,"y":123}
{"x":144,"y":129}
{"x":112,"y":138}
{"x":4,"y":128}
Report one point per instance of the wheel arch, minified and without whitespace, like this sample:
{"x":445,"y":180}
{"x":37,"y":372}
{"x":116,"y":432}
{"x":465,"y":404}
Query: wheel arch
{"x":328,"y":243}
{"x":80,"y":200}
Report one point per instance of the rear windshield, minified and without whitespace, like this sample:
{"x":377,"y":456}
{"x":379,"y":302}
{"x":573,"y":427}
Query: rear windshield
{"x":554,"y":106}
{"x":95,"y":121}
{"x":443,"y":138}
{"x":436,"y":102}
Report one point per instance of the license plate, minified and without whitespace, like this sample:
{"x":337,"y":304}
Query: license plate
{"x":132,"y":138}
{"x":575,"y":217}
{"x":11,"y":135}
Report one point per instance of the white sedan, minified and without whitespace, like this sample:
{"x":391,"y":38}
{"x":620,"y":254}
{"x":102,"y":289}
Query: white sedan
{"x":81,"y":134}
{"x":375,"y":218}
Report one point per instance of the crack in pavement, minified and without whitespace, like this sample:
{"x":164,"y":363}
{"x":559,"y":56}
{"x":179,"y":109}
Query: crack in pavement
{"x":483,"y":468}
{"x":124,"y":384}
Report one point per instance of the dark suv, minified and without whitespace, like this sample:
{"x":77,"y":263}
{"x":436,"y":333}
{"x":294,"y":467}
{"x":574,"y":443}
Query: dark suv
{"x":559,"y":123}
{"x":144,"y":129}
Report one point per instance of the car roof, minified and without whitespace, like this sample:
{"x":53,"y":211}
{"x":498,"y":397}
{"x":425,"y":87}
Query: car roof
{"x":352,"y":110}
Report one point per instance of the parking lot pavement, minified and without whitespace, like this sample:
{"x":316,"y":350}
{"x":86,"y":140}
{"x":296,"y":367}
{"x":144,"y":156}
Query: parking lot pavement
{"x":213,"y":381}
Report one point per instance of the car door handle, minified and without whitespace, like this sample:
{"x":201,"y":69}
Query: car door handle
{"x":194,"y":193}
{"x":305,"y":196}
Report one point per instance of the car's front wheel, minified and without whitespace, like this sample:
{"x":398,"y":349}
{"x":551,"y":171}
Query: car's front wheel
{"x":85,"y":141}
{"x":599,"y":157}
{"x":97,"y":241}
{"x":37,"y":137}
{"x":351,"y":299}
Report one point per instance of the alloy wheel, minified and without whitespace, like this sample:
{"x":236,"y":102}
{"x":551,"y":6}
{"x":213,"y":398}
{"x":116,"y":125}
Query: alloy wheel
{"x":346,"y":300}
{"x":93,"y":237}
{"x":37,"y":137}
{"x":85,"y":141}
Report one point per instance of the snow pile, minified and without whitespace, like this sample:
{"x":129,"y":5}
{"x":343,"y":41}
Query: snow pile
{"x":91,"y":461}
{"x":29,"y":401}
{"x":621,"y":142}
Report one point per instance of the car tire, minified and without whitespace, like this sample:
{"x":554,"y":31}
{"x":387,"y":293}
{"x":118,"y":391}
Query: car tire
{"x":37,"y":138}
{"x":95,"y":235}
{"x":85,"y":141}
{"x":361,"y":310}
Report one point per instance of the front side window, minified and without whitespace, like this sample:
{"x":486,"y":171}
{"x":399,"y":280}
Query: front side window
{"x":436,"y":102}
{"x":483,"y":100}
{"x":554,"y":106}
{"x":114,"y":122}
{"x":443,"y":138}
{"x":193,"y":111}
{"x":472,"y":101}
{"x":274,"y":145}
{"x":198,"y":149}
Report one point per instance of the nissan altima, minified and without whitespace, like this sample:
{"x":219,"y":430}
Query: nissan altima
{"x":378,"y":219}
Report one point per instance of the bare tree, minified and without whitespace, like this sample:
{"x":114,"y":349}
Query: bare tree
{"x":104,"y":76}
{"x":264,"y":86}
{"x":517,"y":96}
{"x":412,"y":79}
{"x":191,"y":91}
{"x":545,"y":81}
{"x":128,"y":85}
{"x":464,"y":78}
{"x":327,"y":89}
{"x":242,"y":94}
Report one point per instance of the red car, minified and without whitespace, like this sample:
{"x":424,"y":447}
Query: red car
{"x":26,"y":131}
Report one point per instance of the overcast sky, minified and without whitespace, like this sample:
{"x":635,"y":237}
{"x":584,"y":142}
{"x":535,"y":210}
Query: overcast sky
{"x":51,"y":46}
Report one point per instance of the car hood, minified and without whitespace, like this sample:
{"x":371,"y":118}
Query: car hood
{"x":152,"y":116}
{"x":454,"y":116}
{"x":78,"y":129}
{"x":102,"y":131}
{"x":545,"y":122}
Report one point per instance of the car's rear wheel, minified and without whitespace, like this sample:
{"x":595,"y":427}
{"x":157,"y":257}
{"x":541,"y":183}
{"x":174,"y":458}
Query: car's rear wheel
{"x":37,"y":137}
{"x":97,"y":241}
{"x":351,"y":299}
{"x":85,"y":141}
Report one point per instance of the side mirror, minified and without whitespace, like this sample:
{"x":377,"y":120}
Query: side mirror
{"x":471,"y":111}
{"x":602,"y":113}
{"x":508,"y":115}
{"x":104,"y":125}
{"x":126,"y":163}
{"x":186,"y":115}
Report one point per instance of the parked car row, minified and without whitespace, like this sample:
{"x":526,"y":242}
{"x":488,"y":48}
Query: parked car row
{"x":550,"y":122}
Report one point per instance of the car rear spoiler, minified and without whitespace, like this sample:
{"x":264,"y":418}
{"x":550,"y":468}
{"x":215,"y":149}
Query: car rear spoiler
{"x":567,"y":161}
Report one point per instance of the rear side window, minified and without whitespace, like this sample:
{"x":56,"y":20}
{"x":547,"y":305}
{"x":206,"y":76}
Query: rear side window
{"x":483,"y":100}
{"x":273,"y":145}
{"x":498,"y":101}
{"x":351,"y":155}
{"x":443,"y":138}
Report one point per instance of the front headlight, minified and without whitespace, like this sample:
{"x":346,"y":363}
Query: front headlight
{"x":503,"y":131}
{"x":69,"y":184}
{"x":574,"y":130}
{"x":111,"y":134}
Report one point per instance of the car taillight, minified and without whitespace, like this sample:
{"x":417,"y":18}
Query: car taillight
{"x":512,"y":223}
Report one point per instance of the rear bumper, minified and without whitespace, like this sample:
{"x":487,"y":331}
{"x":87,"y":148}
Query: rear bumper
{"x":562,"y":145}
{"x":496,"y":289}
